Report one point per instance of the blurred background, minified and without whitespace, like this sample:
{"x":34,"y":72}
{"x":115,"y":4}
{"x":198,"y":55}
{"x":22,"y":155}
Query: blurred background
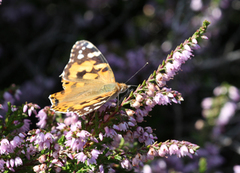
{"x":36,"y":38}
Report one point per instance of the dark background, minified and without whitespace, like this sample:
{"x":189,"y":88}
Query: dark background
{"x":36,"y":38}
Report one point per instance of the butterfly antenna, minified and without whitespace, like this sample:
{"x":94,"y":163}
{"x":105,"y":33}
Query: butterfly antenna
{"x":137,"y":72}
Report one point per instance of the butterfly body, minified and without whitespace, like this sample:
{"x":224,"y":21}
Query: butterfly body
{"x":88,"y":81}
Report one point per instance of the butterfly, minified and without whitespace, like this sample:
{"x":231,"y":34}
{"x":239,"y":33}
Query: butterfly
{"x":88,"y":81}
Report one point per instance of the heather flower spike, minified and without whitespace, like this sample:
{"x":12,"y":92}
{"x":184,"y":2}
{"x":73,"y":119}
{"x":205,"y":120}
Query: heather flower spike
{"x":106,"y":140}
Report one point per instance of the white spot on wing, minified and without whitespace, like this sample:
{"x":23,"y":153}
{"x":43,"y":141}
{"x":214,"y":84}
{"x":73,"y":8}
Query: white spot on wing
{"x":80,"y":51}
{"x":97,"y":107}
{"x":90,"y":46}
{"x":80,"y":56}
{"x":99,"y":103}
{"x":86,"y":108}
{"x":83,"y":48}
{"x":90,"y":55}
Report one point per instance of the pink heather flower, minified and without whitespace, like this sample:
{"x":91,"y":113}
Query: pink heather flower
{"x":30,"y":111}
{"x":186,"y":55}
{"x":184,"y":151}
{"x":39,"y":140}
{"x":110,"y":132}
{"x":42,"y":116}
{"x":95,"y":153}
{"x":43,"y":167}
{"x":16,"y":141}
{"x":57,"y":147}
{"x":116,"y":140}
{"x":136,"y":161}
{"x":173,"y":149}
{"x":83,"y":134}
{"x":61,"y":126}
{"x":25,"y":107}
{"x":100,"y":136}
{"x":2,"y":162}
{"x":195,"y":46}
{"x":236,"y":168}
{"x":81,"y":157}
{"x":76,"y":144}
{"x":142,"y":113}
{"x":148,"y":129}
{"x":233,"y":93}
{"x":116,"y":127}
{"x":204,"y":37}
{"x":5,"y":147}
{"x":26,"y":125}
{"x":163,"y":150}
{"x":151,"y":153}
{"x":177,"y":55}
{"x":177,"y":64}
{"x":150,"y":102}
{"x":12,"y":162}
{"x":31,"y":150}
{"x":76,"y":126}
{"x":170,"y":69}
{"x":36,"y":168}
{"x":139,"y":98}
{"x":130,"y":124}
{"x":123,"y":126}
{"x":186,"y":47}
{"x":207,"y":103}
{"x":58,"y":169}
{"x":126,"y":164}
{"x":136,"y":105}
{"x":72,"y":118}
{"x":227,"y":111}
{"x":132,"y":120}
{"x":161,"y":82}
{"x":55,"y":154}
{"x":161,"y":99}
{"x":151,"y":89}
{"x":194,"y":41}
{"x":149,"y":139}
{"x":130,"y":112}
{"x":139,"y":119}
{"x":101,"y":169}
{"x":129,"y":136}
{"x":48,"y":139}
{"x":42,"y":158}
{"x":140,"y":130}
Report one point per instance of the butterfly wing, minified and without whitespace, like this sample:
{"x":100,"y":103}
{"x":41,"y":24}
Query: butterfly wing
{"x":87,"y":63}
{"x":87,"y":79}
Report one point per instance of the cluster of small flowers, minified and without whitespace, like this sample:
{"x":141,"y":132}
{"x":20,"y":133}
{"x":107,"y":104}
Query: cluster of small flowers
{"x":30,"y":107}
{"x":45,"y":141}
{"x":17,"y":146}
{"x":9,"y":147}
{"x":77,"y":139}
{"x":222,"y":107}
{"x":173,"y":147}
{"x":152,"y":92}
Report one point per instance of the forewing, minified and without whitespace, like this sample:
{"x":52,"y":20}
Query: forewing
{"x":87,"y":63}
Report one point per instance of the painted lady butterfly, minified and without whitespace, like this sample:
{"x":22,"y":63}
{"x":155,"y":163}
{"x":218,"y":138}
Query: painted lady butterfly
{"x":88,"y":81}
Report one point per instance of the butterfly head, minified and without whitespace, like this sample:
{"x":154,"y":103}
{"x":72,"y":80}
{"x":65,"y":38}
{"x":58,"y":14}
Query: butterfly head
{"x":123,"y":87}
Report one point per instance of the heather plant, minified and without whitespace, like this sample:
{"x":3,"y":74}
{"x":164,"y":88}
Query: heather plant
{"x":111,"y":139}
